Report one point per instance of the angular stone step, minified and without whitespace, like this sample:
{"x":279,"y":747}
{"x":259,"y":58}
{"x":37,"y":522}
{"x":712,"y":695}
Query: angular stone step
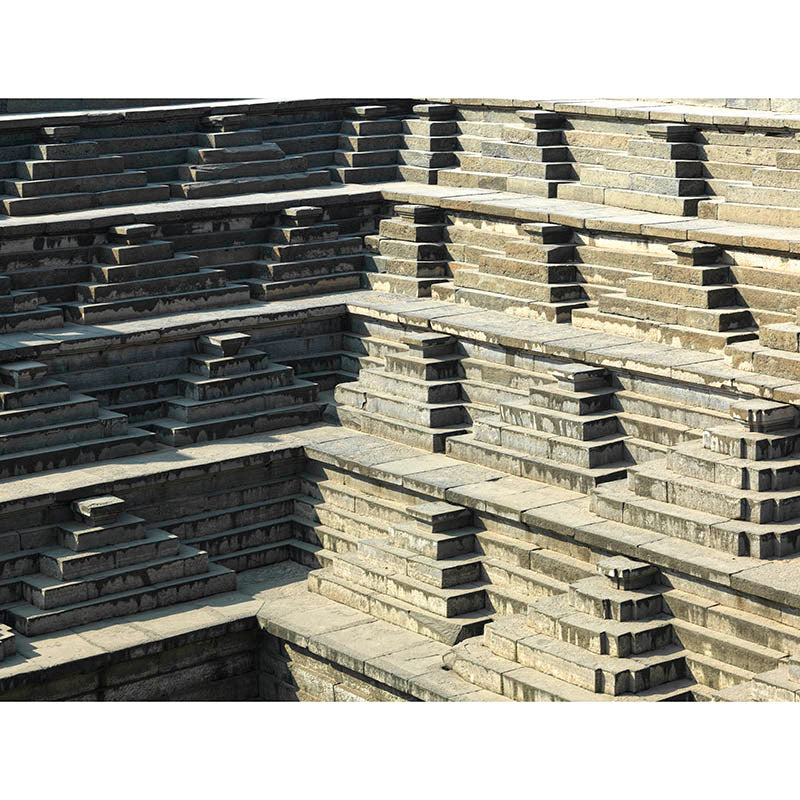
{"x":31,"y":621}
{"x":82,"y":183}
{"x":245,"y":169}
{"x":179,"y":264}
{"x":248,"y":185}
{"x":90,"y":293}
{"x":429,"y":415}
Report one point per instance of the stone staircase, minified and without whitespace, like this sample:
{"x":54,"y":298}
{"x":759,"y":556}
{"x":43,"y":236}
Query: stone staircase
{"x":429,"y":141}
{"x":368,"y":144}
{"x":659,"y":171}
{"x":411,"y":257}
{"x":734,"y":491}
{"x":693,"y":304}
{"x":530,"y":158}
{"x":621,"y":635}
{"x":139,"y":275}
{"x":567,"y":433}
{"x":107,"y":564}
{"x":67,"y":173}
{"x":43,"y":425}
{"x":23,"y":310}
{"x":8,"y":644}
{"x":305,"y":256}
{"x":416,"y":398}
{"x":234,"y":390}
{"x":536,"y":279}
{"x":231,"y":158}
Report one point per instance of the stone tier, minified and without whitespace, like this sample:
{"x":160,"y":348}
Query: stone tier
{"x":67,"y":173}
{"x":537,"y":278}
{"x":138,"y":275}
{"x":234,"y":390}
{"x":43,"y":425}
{"x":407,"y":256}
{"x":430,"y":138}
{"x":693,"y":304}
{"x":305,"y":256}
{"x":416,"y":398}
{"x":367,"y":147}
{"x":734,"y":491}
{"x":529,"y":157}
{"x":229,"y":159}
{"x":107,"y":564}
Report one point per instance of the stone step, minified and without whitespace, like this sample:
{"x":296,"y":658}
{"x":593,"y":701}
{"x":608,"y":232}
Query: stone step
{"x":76,"y":201}
{"x":69,"y":168}
{"x":444,"y":602}
{"x":663,"y":410}
{"x":266,"y":151}
{"x":188,"y":410}
{"x":198,"y":388}
{"x":375,"y":174}
{"x":92,"y":313}
{"x":245,"y":169}
{"x":90,"y":293}
{"x":125,"y":253}
{"x":419,"y":436}
{"x":694,"y":296}
{"x":80,"y":537}
{"x":179,"y":264}
{"x":512,"y":588}
{"x":462,"y":178}
{"x":302,"y":287}
{"x":523,"y":269}
{"x":600,"y":674}
{"x":433,"y":545}
{"x":549,"y":170}
{"x":429,"y":415}
{"x":429,"y":271}
{"x":234,"y":186}
{"x":531,"y":309}
{"x":365,"y":158}
{"x":469,"y":448}
{"x":586,"y":427}
{"x":63,"y":564}
{"x":388,"y":141}
{"x":31,"y":621}
{"x":448,"y":630}
{"x":597,"y":597}
{"x":555,"y":617}
{"x":653,"y":429}
{"x":591,"y":401}
{"x":269,"y":533}
{"x":225,"y":139}
{"x":81,"y":183}
{"x":176,"y":433}
{"x":524,"y":151}
{"x":73,"y":408}
{"x":47,"y":593}
{"x":524,"y":289}
{"x":308,"y":267}
{"x":307,"y":250}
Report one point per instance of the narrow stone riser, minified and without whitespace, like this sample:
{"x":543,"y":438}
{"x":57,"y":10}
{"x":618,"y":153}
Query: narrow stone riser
{"x":293,"y":270}
{"x":80,"y":430}
{"x":526,"y":585}
{"x":528,"y":271}
{"x":428,"y":370}
{"x":681,"y":294}
{"x":544,"y":293}
{"x":401,"y":410}
{"x":313,"y":250}
{"x":440,"y":575}
{"x":244,"y":169}
{"x":734,"y":444}
{"x":129,"y":529}
{"x":69,"y":168}
{"x":236,"y":186}
{"x":246,"y":362}
{"x":211,"y":430}
{"x":116,"y":311}
{"x":544,"y":421}
{"x":435,"y":547}
{"x":135,"y":578}
{"x":668,"y":411}
{"x":156,"y":547}
{"x":129,"y":254}
{"x":48,"y":392}
{"x":262,"y":557}
{"x":760,"y":479}
{"x":156,"y":597}
{"x":598,"y":680}
{"x":77,"y":408}
{"x":618,"y":611}
{"x":346,"y":281}
{"x":352,"y":526}
{"x":220,"y":388}
{"x":565,"y":404}
{"x":271,"y":400}
{"x":215,"y":522}
{"x":384,"y":505}
{"x":602,"y":642}
{"x":649,"y":429}
{"x":170,"y":284}
{"x":83,"y":183}
{"x":180,"y":264}
{"x":230,"y":543}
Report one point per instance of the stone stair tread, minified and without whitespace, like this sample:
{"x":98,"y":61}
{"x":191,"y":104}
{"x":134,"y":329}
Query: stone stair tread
{"x":227,"y":510}
{"x":170,"y":423}
{"x":757,"y":651}
{"x":153,"y":535}
{"x":552,"y":585}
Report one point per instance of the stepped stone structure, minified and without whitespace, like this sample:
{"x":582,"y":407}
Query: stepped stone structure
{"x":400,"y":399}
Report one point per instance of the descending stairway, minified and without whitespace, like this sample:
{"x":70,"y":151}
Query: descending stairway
{"x":138,"y":275}
{"x":67,"y":173}
{"x":232,"y":390}
{"x":108,"y":563}
{"x":692,"y":304}
{"x":231,"y":158}
{"x":43,"y":425}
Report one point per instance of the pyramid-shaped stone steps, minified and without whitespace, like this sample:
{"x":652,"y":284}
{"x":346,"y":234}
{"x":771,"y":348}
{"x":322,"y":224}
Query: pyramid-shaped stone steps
{"x":32,"y":621}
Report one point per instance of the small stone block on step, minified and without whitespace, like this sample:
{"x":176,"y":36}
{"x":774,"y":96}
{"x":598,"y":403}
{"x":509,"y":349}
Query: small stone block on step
{"x":428,"y":343}
{"x":22,"y":373}
{"x":367,"y":112}
{"x":671,"y":132}
{"x":302,"y":215}
{"x":59,"y":133}
{"x":224,"y":122}
{"x":98,"y":510}
{"x":132,"y":234}
{"x":696,"y":254}
{"x":625,"y":573}
{"x":761,"y":416}
{"x":439,"y":516}
{"x":547,"y":233}
{"x":223,"y":344}
{"x":434,"y":111}
{"x":536,"y":118}
{"x":417,"y":213}
{"x":577,"y":377}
